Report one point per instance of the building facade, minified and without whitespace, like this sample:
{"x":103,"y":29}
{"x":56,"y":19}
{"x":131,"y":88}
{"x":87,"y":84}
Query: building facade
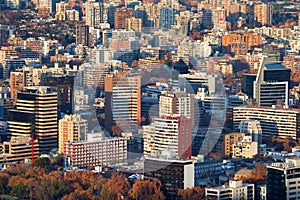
{"x":72,"y":128}
{"x":36,"y":113}
{"x":100,"y":152}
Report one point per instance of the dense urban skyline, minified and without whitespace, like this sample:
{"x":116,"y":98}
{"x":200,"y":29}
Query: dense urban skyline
{"x":150,"y":99}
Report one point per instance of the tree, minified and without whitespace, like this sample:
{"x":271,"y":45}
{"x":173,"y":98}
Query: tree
{"x":146,"y":189}
{"x":118,"y":185}
{"x":192,"y":193}
{"x":105,"y":193}
{"x":20,"y":191}
{"x":42,"y":162}
{"x":258,"y":175}
{"x":3,"y":183}
{"x":116,"y":131}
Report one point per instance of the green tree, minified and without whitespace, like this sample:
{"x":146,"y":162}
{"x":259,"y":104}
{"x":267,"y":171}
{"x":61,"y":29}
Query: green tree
{"x":42,"y":162}
{"x":20,"y":191}
{"x":105,"y":193}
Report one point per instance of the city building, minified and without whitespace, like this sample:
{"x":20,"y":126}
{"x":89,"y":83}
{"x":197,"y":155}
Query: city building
{"x":167,"y":18}
{"x":235,"y":190}
{"x":36,"y":113}
{"x":252,"y":128}
{"x":283,"y":180}
{"x":134,"y":24}
{"x":173,"y":174}
{"x":120,"y":16}
{"x":71,"y":128}
{"x":228,"y":142}
{"x":280,"y":122}
{"x":123,"y":101}
{"x":96,"y":152}
{"x":179,"y":103}
{"x":168,"y":136}
{"x":263,"y":13}
{"x":240,"y":43}
{"x":18,"y":149}
{"x":245,"y":148}
{"x":247,"y":84}
{"x":82,"y":34}
{"x":272,"y":84}
{"x":65,"y":86}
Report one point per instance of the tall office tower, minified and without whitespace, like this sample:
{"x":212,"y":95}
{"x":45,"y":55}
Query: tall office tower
{"x":120,"y":16}
{"x":272,"y":84}
{"x":169,"y":137}
{"x":123,"y":101}
{"x":167,"y":18}
{"x":82,"y":34}
{"x":252,"y":128}
{"x":263,"y":13}
{"x":72,"y":128}
{"x":36,"y":113}
{"x":283,"y":180}
{"x":65,"y":86}
{"x":179,"y":103}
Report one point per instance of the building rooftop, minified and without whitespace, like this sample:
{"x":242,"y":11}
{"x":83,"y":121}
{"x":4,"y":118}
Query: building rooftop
{"x":274,"y":66}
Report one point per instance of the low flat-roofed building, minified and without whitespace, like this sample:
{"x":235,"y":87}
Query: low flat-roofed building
{"x":97,"y":152}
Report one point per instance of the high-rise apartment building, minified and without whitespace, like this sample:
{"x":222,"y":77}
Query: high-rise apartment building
{"x":169,"y":136}
{"x":263,"y":13}
{"x":179,"y":103}
{"x":36,"y":113}
{"x":283,"y":180}
{"x":72,"y":128}
{"x":167,"y":18}
{"x":61,"y":9}
{"x":240,"y":43}
{"x":120,"y":16}
{"x":82,"y":34}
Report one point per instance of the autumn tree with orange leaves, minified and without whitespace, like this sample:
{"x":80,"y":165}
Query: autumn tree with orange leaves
{"x":192,"y":193}
{"x":118,"y":186}
{"x":147,"y":189}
